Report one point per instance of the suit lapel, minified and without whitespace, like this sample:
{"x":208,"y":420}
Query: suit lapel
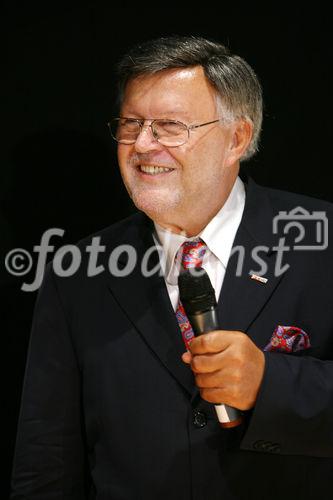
{"x":146,"y":302}
{"x":242,"y":298}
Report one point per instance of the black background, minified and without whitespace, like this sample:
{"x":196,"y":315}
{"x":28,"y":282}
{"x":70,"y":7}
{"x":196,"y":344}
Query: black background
{"x":58,"y":165}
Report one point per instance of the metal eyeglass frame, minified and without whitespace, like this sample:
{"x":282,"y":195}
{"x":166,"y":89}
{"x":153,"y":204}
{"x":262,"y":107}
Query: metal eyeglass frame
{"x":151,"y":126}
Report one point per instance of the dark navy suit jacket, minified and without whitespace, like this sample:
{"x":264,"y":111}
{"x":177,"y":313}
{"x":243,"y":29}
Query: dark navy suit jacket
{"x":110,"y":411}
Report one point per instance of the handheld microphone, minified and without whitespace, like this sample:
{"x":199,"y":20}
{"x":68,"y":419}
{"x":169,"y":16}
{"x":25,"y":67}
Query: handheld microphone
{"x":197,"y":295}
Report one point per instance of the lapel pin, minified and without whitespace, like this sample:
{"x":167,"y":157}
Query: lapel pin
{"x":258,"y":278}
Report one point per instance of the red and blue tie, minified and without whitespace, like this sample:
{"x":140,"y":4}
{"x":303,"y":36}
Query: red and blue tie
{"x":190,"y":255}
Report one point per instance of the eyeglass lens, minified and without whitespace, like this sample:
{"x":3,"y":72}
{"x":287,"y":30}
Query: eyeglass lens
{"x":167,"y":132}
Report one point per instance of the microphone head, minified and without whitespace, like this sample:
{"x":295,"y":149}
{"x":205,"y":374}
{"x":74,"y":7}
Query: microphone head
{"x":195,"y":291}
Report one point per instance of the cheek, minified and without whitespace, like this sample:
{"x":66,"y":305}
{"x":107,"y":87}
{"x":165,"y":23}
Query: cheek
{"x":205,"y":167}
{"x":122,"y":155}
{"x":195,"y":160}
{"x":211,"y":157}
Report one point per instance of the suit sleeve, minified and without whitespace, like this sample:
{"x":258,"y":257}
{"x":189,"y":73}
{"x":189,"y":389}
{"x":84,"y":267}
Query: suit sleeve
{"x":49,"y":455}
{"x":293,"y":414}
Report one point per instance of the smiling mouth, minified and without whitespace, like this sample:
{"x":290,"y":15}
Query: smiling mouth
{"x":154,"y":169}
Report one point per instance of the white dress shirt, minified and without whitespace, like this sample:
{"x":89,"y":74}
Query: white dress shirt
{"x":219,"y":235}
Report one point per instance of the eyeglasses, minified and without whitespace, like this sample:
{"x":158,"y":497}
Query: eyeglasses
{"x":170,"y":133}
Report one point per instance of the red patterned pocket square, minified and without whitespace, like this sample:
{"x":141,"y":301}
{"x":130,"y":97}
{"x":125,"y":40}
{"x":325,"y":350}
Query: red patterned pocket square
{"x":288,"y":339}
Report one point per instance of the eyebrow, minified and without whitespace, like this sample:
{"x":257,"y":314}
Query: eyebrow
{"x":175,"y":115}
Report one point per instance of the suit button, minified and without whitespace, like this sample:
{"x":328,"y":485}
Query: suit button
{"x":199,"y":419}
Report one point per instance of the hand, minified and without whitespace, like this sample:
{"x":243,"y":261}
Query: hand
{"x":228,"y":367}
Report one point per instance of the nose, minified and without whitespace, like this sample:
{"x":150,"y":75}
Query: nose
{"x":146,"y":141}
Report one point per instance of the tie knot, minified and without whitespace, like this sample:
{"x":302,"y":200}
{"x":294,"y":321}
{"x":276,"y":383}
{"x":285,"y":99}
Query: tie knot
{"x":192,"y":253}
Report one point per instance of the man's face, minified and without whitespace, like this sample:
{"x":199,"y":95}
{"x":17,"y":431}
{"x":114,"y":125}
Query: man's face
{"x":194,"y":172}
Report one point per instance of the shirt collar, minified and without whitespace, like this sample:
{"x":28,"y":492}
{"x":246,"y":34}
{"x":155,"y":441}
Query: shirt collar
{"x":219,"y":234}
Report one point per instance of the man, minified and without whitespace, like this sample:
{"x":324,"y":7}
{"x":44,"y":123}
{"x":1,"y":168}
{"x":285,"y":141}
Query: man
{"x":112,"y":385}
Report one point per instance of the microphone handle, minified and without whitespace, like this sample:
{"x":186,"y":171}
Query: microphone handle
{"x":205,"y":322}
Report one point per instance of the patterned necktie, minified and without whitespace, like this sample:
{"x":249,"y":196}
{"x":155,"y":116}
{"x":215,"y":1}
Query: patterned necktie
{"x":190,"y":254}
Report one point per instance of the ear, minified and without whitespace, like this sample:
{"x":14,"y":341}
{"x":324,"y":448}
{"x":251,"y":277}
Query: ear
{"x":241,"y":135}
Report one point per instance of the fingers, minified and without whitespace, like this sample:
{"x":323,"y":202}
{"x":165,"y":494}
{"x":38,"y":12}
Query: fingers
{"x":186,"y":357}
{"x":206,"y":352}
{"x":228,"y":367}
{"x":203,"y":363}
{"x":207,"y":363}
{"x":213,"y":342}
{"x":209,"y":380}
{"x":217,"y":395}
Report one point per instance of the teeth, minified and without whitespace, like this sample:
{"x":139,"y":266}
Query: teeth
{"x":152,"y":170}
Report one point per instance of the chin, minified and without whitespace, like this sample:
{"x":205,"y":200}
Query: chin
{"x":155,"y":204}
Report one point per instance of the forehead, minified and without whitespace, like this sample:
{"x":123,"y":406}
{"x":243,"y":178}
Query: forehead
{"x":174,"y":92}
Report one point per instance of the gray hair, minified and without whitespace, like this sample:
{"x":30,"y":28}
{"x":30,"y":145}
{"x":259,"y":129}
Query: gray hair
{"x":236,"y":83}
